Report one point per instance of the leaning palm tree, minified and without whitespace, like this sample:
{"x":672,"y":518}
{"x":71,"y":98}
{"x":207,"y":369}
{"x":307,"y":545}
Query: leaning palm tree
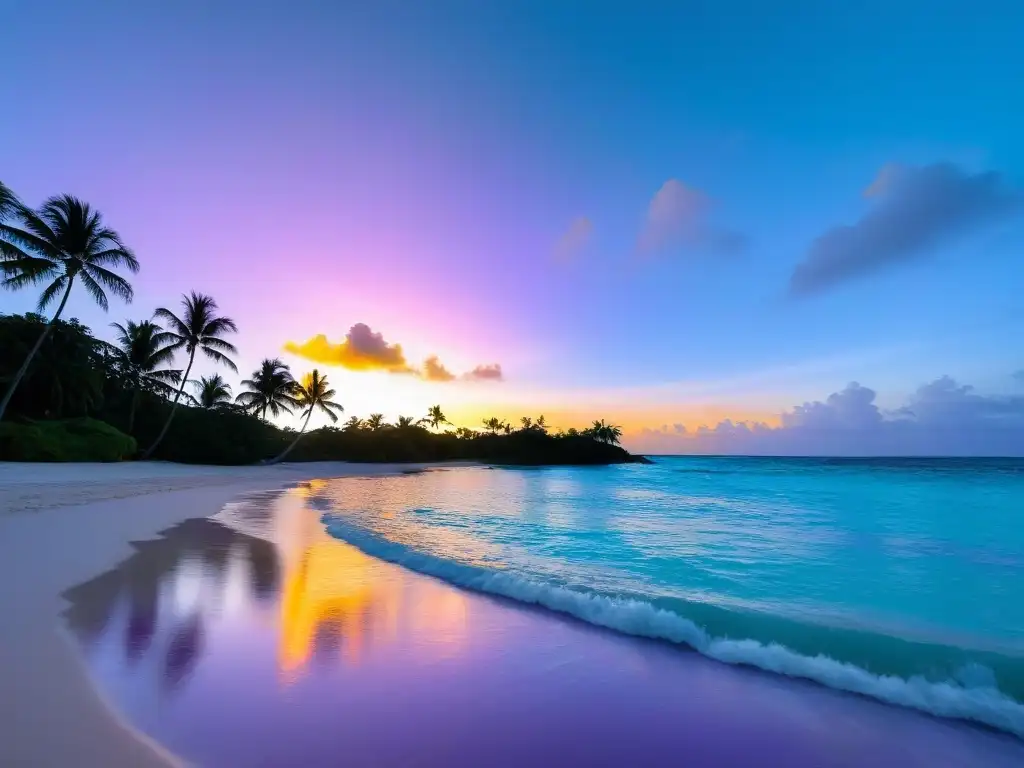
{"x":212,"y":392}
{"x":313,"y":393}
{"x":140,"y":353}
{"x":62,"y":242}
{"x":199,"y":328}
{"x":271,"y":387}
{"x":375,"y":422}
{"x":435,"y":417}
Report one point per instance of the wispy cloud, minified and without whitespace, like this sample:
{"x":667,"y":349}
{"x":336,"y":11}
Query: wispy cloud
{"x":914,"y":211}
{"x":574,"y":240}
{"x":679,"y":217}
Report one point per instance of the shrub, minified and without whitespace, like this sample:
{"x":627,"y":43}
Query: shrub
{"x":81,"y":439}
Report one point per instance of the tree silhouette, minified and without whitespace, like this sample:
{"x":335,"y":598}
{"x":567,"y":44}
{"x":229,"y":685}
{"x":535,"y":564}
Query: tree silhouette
{"x":64,"y":241}
{"x":314,"y":393}
{"x":354,"y":424}
{"x":435,"y":417}
{"x":212,"y":392}
{"x":375,"y":422}
{"x":199,"y":328}
{"x":272,"y":387}
{"x":139,"y":354}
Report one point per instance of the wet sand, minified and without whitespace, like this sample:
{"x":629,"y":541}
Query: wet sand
{"x":61,"y":525}
{"x":254,"y":639}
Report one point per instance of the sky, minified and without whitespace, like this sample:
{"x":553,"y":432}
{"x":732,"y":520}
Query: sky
{"x":724,"y":227}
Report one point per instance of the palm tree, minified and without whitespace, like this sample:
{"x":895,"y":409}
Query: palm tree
{"x":9,"y":202}
{"x":271,"y":387}
{"x":212,"y":392}
{"x":201,"y":329}
{"x":606,"y":433}
{"x":527,"y":423}
{"x":407,"y":422}
{"x":435,"y":417}
{"x":493,"y":425}
{"x":140,"y":351}
{"x":541,"y":424}
{"x":375,"y":422}
{"x":314,"y":392}
{"x":354,"y":424}
{"x":64,"y":241}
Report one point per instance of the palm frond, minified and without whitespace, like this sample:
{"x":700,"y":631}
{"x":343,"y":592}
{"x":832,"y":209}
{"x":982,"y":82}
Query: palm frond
{"x":51,"y":292}
{"x":26,"y":240}
{"x":178,"y":329}
{"x":116,"y":257}
{"x":220,"y":358}
{"x":114,"y":283}
{"x":221,"y":345}
{"x":94,"y":289}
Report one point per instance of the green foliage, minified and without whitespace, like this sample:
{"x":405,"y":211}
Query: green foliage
{"x":81,"y":439}
{"x":128,"y":387}
{"x":66,"y":377}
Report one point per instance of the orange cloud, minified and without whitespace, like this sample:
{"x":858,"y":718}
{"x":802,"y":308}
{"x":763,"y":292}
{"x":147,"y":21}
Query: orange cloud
{"x":361,"y":350}
{"x":364,"y":350}
{"x":434,"y":370}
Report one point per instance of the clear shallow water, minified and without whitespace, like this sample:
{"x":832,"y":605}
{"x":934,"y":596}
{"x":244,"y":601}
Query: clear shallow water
{"x":898,"y":579}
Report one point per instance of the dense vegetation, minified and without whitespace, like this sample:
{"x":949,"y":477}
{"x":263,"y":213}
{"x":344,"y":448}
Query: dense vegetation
{"x":69,"y":396}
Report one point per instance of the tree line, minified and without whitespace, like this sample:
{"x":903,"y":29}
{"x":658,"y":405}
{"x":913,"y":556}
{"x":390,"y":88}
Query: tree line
{"x":66,"y":245}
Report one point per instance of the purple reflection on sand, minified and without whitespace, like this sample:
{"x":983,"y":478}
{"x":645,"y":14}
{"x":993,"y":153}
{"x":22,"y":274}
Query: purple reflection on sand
{"x":346,"y":660}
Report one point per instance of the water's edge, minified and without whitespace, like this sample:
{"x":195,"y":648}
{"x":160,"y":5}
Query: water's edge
{"x":977,"y":700}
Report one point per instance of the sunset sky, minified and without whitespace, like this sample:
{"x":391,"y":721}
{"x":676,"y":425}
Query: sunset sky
{"x":662,"y":214}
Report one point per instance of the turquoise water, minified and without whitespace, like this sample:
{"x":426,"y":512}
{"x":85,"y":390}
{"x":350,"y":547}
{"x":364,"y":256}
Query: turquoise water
{"x":898,"y":579}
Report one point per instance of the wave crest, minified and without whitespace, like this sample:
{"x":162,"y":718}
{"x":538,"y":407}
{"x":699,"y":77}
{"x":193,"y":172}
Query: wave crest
{"x":979,"y":701}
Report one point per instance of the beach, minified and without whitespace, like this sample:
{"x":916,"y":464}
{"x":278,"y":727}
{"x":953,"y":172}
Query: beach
{"x":61,"y":524}
{"x":168,"y":613}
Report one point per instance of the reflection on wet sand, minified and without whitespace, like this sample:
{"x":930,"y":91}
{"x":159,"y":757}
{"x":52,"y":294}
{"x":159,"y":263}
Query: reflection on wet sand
{"x":264,"y":562}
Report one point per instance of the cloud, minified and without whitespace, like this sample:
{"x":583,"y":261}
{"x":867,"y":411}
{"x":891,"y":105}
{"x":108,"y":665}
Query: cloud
{"x":434,"y":370}
{"x":490,"y":372}
{"x":941,"y":418}
{"x":678,"y":217}
{"x":361,"y":350}
{"x":914,"y":211}
{"x":574,"y":240}
{"x":364,"y":350}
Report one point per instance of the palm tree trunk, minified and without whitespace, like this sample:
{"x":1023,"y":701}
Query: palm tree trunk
{"x":131,"y":411}
{"x":174,"y":407}
{"x":39,"y":343}
{"x":295,"y":442}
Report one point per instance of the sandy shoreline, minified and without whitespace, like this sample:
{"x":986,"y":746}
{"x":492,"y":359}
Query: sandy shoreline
{"x":61,"y":524}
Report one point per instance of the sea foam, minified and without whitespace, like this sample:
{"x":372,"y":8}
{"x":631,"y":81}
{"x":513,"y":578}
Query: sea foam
{"x":980,"y":702}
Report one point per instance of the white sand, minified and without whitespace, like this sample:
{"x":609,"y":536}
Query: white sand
{"x":60,"y":525}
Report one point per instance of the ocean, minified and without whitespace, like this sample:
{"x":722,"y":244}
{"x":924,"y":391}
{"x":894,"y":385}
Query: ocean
{"x":897,"y":579}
